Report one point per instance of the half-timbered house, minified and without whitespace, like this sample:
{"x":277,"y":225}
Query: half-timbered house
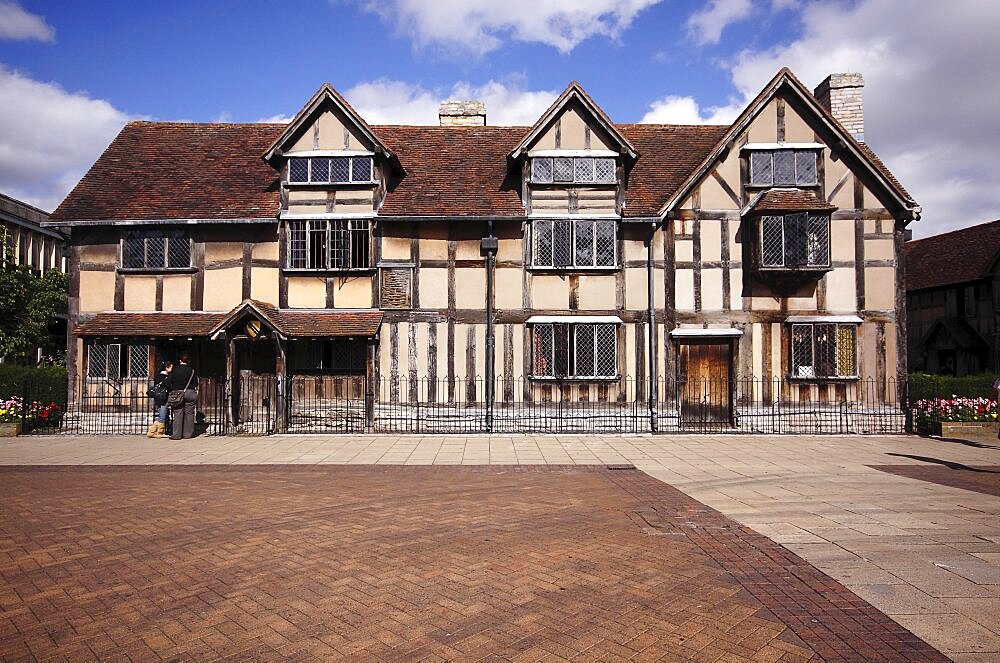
{"x":576,"y":273}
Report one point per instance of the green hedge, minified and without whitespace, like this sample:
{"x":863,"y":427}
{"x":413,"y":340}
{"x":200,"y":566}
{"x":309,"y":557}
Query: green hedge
{"x":43,"y":384}
{"x":923,"y":385}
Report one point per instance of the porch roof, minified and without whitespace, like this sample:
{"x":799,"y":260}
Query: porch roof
{"x":158,"y":324}
{"x":288,"y":322}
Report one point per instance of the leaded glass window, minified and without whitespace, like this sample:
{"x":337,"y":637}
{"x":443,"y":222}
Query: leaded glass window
{"x":580,"y":243}
{"x":783,"y":167}
{"x":824,"y":350}
{"x":586,"y":170}
{"x":329,"y":244}
{"x":117,"y":361}
{"x":156,"y":250}
{"x":574,"y":350}
{"x":325,"y":170}
{"x":795,"y":240}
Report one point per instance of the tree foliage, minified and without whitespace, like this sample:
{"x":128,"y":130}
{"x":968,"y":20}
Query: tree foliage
{"x":29,"y":305}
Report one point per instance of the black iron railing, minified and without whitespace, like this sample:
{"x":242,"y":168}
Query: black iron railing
{"x":266,"y":404}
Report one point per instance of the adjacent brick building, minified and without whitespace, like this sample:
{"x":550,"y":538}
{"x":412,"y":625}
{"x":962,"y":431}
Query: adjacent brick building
{"x":953,"y":298}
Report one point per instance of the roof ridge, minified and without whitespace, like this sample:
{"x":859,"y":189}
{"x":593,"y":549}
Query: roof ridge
{"x":952,"y":232}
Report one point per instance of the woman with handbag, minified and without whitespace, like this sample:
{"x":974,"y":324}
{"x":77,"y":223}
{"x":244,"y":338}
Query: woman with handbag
{"x":182,"y":398}
{"x":159,"y":393}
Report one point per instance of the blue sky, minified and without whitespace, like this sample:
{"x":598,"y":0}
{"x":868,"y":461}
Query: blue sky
{"x":71,"y":73}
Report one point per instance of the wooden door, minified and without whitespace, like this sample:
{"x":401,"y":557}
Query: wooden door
{"x":705,"y":384}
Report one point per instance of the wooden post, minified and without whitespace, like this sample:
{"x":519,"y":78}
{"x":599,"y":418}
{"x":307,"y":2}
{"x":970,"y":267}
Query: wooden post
{"x":284,"y":387}
{"x":370,"y":385}
{"x":231,"y":387}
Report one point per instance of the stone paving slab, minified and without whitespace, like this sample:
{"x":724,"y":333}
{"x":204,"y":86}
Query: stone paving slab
{"x":861,"y":526}
{"x":406,"y":563}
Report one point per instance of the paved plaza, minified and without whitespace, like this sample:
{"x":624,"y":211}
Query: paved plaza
{"x":924,"y":549}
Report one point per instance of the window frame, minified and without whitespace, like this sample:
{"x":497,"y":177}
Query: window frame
{"x":571,"y":352}
{"x":350,"y":157}
{"x":125,"y":351}
{"x":351,"y":233}
{"x":168,"y":237}
{"x":573,"y":170}
{"x":574,"y":224}
{"x":794,"y":366}
{"x":817,"y":151}
{"x":809,"y":218}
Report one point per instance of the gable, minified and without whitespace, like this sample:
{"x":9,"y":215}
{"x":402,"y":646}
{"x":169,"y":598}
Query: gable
{"x":784,"y":111}
{"x":587,"y":120}
{"x":330,"y":130}
{"x":572,"y":128}
{"x":323,"y":115}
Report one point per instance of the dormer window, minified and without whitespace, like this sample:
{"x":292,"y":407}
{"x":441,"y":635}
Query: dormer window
{"x":573,"y":170}
{"x":330,"y":170}
{"x":783,"y":167}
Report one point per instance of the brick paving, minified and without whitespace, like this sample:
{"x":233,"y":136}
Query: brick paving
{"x":981,"y":479}
{"x":405,"y":563}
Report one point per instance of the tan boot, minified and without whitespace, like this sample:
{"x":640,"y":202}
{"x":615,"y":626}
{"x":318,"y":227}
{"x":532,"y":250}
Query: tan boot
{"x":151,"y":431}
{"x":160,"y":429}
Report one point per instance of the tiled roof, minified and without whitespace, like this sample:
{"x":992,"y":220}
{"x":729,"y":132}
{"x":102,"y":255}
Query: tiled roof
{"x":174,"y":170}
{"x":329,"y":323}
{"x":454,"y":171}
{"x":170,"y":170}
{"x":667,"y":155}
{"x":790,"y":200}
{"x":149,"y":324}
{"x":882,"y":168}
{"x":289,"y":322}
{"x":954,"y":257}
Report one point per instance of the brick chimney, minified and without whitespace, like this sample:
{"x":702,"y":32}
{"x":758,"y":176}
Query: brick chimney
{"x":456,"y":113}
{"x":841,"y":95}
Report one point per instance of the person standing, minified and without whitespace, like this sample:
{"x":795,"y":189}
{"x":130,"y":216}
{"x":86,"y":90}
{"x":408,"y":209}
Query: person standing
{"x":159,"y":427}
{"x":182,"y":398}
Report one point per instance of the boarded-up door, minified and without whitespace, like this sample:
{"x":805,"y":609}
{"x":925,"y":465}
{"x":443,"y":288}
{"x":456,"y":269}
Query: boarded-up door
{"x":705,"y":384}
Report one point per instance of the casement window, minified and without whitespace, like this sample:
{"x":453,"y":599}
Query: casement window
{"x":340,"y":356}
{"x":574,"y":243}
{"x":117,"y":361}
{"x":156,"y":249}
{"x":795,"y":240}
{"x":329,"y":244}
{"x":824,"y":350}
{"x":329,"y":170}
{"x":786,"y":167}
{"x":584,"y":170}
{"x":574,"y":350}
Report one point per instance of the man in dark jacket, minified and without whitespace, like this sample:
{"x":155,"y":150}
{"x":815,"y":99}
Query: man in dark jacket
{"x":182,"y":398}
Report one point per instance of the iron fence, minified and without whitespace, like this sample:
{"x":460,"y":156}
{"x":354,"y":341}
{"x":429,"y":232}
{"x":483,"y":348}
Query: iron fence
{"x":266,"y":404}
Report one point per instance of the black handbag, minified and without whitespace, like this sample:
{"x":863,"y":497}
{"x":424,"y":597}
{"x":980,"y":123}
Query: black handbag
{"x":158,"y":392}
{"x":176,"y":398}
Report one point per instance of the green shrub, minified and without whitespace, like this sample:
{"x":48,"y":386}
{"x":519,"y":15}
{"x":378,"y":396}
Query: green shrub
{"x":924,"y":386}
{"x":46,"y":384}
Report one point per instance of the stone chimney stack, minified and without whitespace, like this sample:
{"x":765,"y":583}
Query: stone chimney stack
{"x":455,"y":113}
{"x":841,"y":95}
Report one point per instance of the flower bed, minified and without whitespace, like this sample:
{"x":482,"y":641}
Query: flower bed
{"x":37,"y":414}
{"x":931,"y":413}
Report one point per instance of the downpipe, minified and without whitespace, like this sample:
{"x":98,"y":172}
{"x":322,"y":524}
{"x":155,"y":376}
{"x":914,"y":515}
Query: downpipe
{"x":488,"y":248}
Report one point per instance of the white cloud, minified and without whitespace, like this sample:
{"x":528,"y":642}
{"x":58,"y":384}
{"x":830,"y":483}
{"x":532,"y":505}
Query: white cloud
{"x":930,"y":93}
{"x":685,"y":110}
{"x":397,"y":102}
{"x":18,"y":24}
{"x":480,"y":26}
{"x":50,"y":137}
{"x":706,"y":26}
